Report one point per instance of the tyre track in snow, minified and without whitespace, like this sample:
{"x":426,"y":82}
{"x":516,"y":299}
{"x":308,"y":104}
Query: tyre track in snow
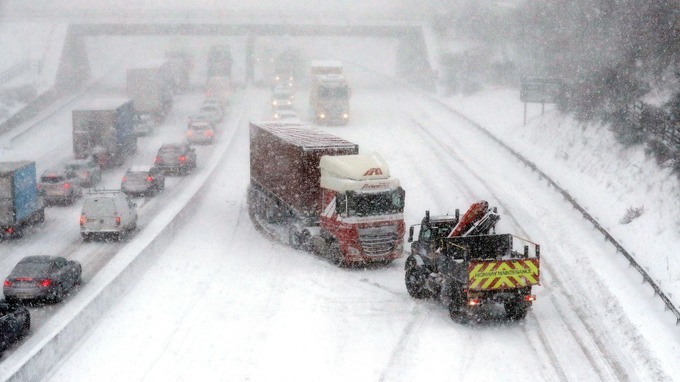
{"x":446,"y":151}
{"x":591,"y":345}
{"x":455,"y":175}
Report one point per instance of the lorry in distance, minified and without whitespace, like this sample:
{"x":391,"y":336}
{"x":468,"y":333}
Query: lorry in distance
{"x":20,"y":203}
{"x":181,"y":64}
{"x":150,"y":86}
{"x":466,"y":265}
{"x":329,"y":93}
{"x":322,"y":196}
{"x":104,"y":129}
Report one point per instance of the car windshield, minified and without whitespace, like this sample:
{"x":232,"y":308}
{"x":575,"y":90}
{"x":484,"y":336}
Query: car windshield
{"x":31,"y":269}
{"x":171,"y":150}
{"x":375,"y":203}
{"x":76,"y":166}
{"x":333,"y":92}
{"x":136,"y":175}
{"x":52,"y":179}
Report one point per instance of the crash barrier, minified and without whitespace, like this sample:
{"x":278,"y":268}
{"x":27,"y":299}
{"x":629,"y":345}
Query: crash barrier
{"x":15,"y":70}
{"x":44,"y":349}
{"x":586,"y":215}
{"x":30,"y":110}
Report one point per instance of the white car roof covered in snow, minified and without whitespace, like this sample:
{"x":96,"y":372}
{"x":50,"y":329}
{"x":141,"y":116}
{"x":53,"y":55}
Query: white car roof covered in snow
{"x":140,"y":169}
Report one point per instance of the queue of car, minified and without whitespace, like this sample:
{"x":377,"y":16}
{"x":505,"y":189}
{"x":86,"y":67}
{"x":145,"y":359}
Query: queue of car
{"x":105,"y":214}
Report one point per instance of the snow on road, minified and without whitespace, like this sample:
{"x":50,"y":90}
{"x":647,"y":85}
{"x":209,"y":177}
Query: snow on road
{"x":225,"y":303}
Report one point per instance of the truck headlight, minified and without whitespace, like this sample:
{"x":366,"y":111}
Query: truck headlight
{"x":322,"y":115}
{"x":345,"y":116}
{"x":353,"y":252}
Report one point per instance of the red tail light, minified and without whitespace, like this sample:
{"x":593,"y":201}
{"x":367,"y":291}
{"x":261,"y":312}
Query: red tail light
{"x":7,"y":283}
{"x":45,"y":283}
{"x":189,"y":133}
{"x":182,"y":158}
{"x":9,"y":230}
{"x":208,"y":133}
{"x":530,"y":297}
{"x":158,"y":160}
{"x":149,"y":178}
{"x":66,"y":186}
{"x":117,"y":220}
{"x":124,"y":179}
{"x":473,"y":301}
{"x":82,"y":220}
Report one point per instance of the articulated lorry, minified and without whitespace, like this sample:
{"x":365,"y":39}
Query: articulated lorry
{"x":321,"y":195}
{"x":329,"y":93}
{"x":459,"y":261}
{"x":151,"y":86}
{"x":104,"y":129}
{"x":20,"y":203}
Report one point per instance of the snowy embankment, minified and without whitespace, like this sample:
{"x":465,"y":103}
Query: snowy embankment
{"x":30,"y":60}
{"x":604,"y":177}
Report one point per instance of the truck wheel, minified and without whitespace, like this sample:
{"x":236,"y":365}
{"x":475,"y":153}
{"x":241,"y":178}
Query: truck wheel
{"x":516,"y":310}
{"x":26,"y":327}
{"x":293,"y":237}
{"x":58,"y":294}
{"x":335,"y":254}
{"x":415,"y":281}
{"x":459,"y":312}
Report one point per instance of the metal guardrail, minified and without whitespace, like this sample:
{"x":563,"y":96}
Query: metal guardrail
{"x":586,"y":215}
{"x":15,"y":70}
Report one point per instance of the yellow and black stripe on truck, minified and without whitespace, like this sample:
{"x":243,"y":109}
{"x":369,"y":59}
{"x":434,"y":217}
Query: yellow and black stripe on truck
{"x":503,"y":274}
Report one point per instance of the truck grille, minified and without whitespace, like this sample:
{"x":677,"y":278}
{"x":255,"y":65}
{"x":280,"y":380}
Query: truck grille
{"x":378,"y":241}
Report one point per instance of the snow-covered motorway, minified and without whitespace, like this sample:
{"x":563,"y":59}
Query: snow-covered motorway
{"x":222,"y":302}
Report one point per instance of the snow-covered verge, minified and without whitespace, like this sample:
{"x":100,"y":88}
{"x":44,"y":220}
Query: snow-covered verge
{"x":619,"y":179}
{"x":34,"y":51}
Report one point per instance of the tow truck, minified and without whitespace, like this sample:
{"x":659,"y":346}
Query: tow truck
{"x":465,"y":264}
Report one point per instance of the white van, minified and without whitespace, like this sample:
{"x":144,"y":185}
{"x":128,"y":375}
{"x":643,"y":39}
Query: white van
{"x":107,"y":214}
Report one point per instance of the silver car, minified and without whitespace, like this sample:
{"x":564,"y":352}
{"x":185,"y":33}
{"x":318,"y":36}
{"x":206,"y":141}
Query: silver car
{"x":107,"y":213}
{"x":59,"y":186}
{"x":142,"y":180}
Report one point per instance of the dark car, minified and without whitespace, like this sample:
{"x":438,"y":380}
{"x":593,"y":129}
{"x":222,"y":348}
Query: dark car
{"x":142,"y":180}
{"x":176,"y":158}
{"x":87,"y":171}
{"x":42,"y":277}
{"x":15,"y":322}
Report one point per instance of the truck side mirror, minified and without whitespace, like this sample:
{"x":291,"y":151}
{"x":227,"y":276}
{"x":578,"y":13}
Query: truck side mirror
{"x":410,"y":234}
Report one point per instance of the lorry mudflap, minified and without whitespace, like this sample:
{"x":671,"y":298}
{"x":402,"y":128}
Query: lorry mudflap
{"x":503,"y":274}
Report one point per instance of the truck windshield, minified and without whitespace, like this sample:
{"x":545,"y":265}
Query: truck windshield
{"x":333,"y":92}
{"x":367,"y":204}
